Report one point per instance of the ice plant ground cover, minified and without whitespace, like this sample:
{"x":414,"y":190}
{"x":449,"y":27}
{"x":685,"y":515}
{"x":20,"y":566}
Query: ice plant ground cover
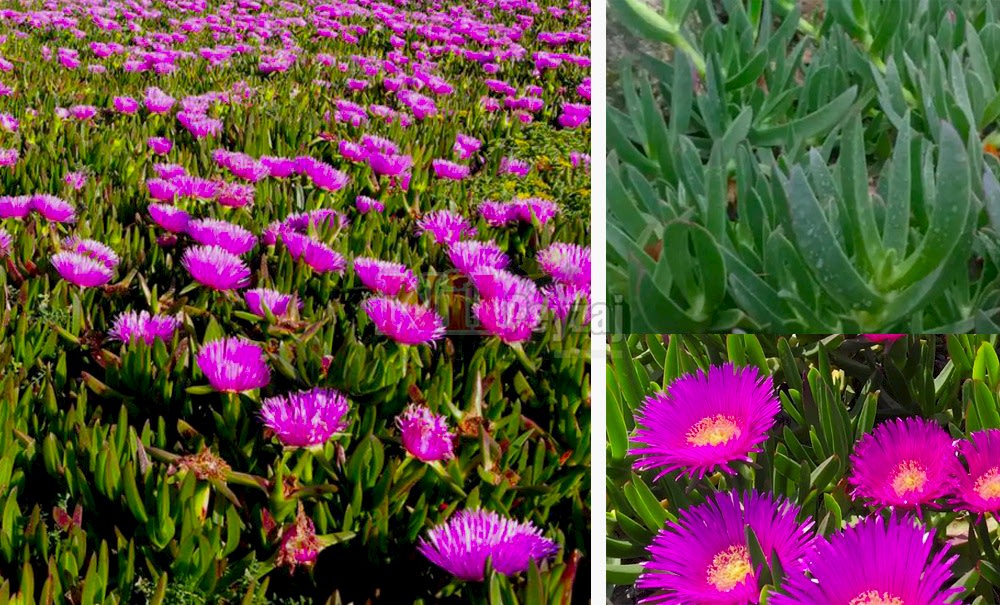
{"x":803,"y":470}
{"x":294,"y":301}
{"x":833,"y":170}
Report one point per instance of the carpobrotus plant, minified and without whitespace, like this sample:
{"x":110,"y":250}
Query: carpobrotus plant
{"x":240,"y":357}
{"x":874,"y":481}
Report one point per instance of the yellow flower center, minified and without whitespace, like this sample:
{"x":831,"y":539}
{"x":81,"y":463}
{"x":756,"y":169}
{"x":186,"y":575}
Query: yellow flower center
{"x":910,"y":476}
{"x":729,"y":568}
{"x":874,"y":597}
{"x":988,"y":484}
{"x":713,"y":430}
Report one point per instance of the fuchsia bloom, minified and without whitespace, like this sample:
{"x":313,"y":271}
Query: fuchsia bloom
{"x":169,"y":171}
{"x":307,"y":418}
{"x":539,"y":208}
{"x":499,"y":283}
{"x":54,"y":209}
{"x":705,"y":421}
{"x":567,"y":263}
{"x":462,"y":545}
{"x":9,"y":157}
{"x":259,"y":299}
{"x":425,"y":434}
{"x":365,"y":204}
{"x":385,"y":277}
{"x":443,"y":169}
{"x":403,"y":322}
{"x":299,"y":544}
{"x":466,"y":145}
{"x":472,"y":255}
{"x":125,"y":105}
{"x":158,"y":101}
{"x":160,"y":145}
{"x":512,"y":319}
{"x":216,"y":268}
{"x":514,"y":166}
{"x":215,"y":232}
{"x":497,"y":214}
{"x":389,"y":164}
{"x":886,"y":339}
{"x":93,"y":249}
{"x":81,"y":270}
{"x":905,"y":463}
{"x":76,"y":180}
{"x":704,"y":557}
{"x":169,"y":217}
{"x":320,"y":257}
{"x":15,"y":206}
{"x":978,"y":490}
{"x":131,"y":327}
{"x":874,"y":563}
{"x":278,"y":167}
{"x":162,"y":190}
{"x":83,"y":112}
{"x":234,"y":365}
{"x":325,"y":176}
{"x":235,"y":195}
{"x":560,"y":298}
{"x":445,"y":226}
{"x":9,"y":123}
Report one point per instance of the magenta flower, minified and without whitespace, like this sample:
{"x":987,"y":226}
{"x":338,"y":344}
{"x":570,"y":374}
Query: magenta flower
{"x":126,"y":105}
{"x":235,"y":195}
{"x":539,"y":208}
{"x":81,"y":270}
{"x":705,"y":421}
{"x":160,"y":145}
{"x":499,"y":283}
{"x":462,"y":545}
{"x":704,"y":557}
{"x":512,"y":319}
{"x":162,"y":190}
{"x":54,"y":209}
{"x":320,"y":257}
{"x":76,"y":180}
{"x":471,"y":255}
{"x":445,"y":226}
{"x":389,"y":164}
{"x":444,"y":169}
{"x":560,"y":298}
{"x":497,"y":214}
{"x":259,"y":299}
{"x":466,"y":145}
{"x":514,"y":166}
{"x":278,"y":167}
{"x":169,"y":171}
{"x":131,"y":327}
{"x":216,"y":268}
{"x":365,"y":204}
{"x":567,"y":263}
{"x":195,"y":187}
{"x":425,"y":434}
{"x":82,"y":112}
{"x":169,"y":217}
{"x":905,"y":463}
{"x":9,"y":123}
{"x":9,"y":157}
{"x":15,"y":206}
{"x":405,"y":323}
{"x":385,"y":277}
{"x":326,"y":177}
{"x":234,"y":365}
{"x":215,"y":232}
{"x":978,"y":490}
{"x":158,"y":101}
{"x":307,"y":418}
{"x":874,"y":562}
{"x":92,"y":249}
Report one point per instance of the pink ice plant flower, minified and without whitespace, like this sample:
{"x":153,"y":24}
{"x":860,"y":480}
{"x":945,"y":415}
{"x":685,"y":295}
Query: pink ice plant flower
{"x":404,"y":322}
{"x":228,"y":236}
{"x":53,"y":209}
{"x":170,"y":218}
{"x":977,"y":489}
{"x":470,"y":256}
{"x":216,"y":268}
{"x":131,"y":327}
{"x":445,"y":226}
{"x":306,"y":418}
{"x":234,"y":365}
{"x":425,"y":434}
{"x":93,"y":249}
{"x":462,"y":545}
{"x":81,"y":269}
{"x":905,"y":463}
{"x":259,"y":299}
{"x":567,"y":263}
{"x":705,"y":421}
{"x":385,"y":277}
